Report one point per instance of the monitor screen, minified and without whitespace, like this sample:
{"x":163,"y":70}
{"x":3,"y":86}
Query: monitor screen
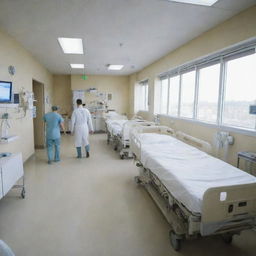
{"x":5,"y":91}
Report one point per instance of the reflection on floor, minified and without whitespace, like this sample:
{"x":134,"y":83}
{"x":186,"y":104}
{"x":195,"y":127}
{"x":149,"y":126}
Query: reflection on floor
{"x":92,"y":207}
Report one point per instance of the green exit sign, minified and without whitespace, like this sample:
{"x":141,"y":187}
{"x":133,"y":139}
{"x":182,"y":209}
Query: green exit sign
{"x":84,"y":77}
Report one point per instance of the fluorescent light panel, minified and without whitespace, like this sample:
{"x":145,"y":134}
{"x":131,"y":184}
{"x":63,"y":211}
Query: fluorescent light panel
{"x":197,"y":2}
{"x":115,"y":67}
{"x":71,"y":45}
{"x":77,"y":65}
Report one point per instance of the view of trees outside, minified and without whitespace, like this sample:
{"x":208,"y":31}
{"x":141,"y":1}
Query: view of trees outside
{"x":240,"y":92}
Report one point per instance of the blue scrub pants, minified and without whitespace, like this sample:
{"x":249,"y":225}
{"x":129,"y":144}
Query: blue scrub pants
{"x":79,"y":150}
{"x":50,"y":145}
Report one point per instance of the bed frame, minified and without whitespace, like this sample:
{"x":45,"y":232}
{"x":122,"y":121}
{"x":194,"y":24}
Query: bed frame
{"x":124,"y":139}
{"x":225,"y":210}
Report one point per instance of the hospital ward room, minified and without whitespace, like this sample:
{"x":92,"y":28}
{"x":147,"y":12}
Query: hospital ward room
{"x":127,"y":127}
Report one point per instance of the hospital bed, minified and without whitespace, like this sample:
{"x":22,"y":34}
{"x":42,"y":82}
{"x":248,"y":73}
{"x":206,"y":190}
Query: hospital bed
{"x":118,"y":132}
{"x":198,"y":194}
{"x":123,"y":138}
{"x":114,"y":124}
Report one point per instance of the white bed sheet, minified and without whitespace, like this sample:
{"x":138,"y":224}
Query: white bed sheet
{"x":115,"y":126}
{"x":186,"y":171}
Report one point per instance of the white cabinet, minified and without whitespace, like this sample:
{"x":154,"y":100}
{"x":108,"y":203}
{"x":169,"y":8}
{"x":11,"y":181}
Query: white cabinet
{"x":11,"y":170}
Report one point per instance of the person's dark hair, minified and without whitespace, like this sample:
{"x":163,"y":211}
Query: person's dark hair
{"x":79,"y":102}
{"x":55,"y":108}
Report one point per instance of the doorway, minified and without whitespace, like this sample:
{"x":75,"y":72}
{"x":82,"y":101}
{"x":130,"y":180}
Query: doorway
{"x":38,"y":90}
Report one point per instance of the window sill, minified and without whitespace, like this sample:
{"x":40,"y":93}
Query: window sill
{"x":238,"y":130}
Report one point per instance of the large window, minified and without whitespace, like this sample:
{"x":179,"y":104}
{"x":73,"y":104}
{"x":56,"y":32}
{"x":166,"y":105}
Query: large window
{"x":187,"y":94}
{"x":217,"y":90}
{"x":164,"y":96}
{"x":174,"y":95}
{"x":208,"y":93}
{"x":142,"y":96}
{"x":240,"y":92}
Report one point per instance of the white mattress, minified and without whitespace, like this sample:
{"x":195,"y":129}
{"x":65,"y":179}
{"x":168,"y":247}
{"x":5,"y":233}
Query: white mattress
{"x":186,"y":171}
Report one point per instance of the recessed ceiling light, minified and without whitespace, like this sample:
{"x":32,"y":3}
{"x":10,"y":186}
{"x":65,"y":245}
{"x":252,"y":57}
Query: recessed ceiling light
{"x":71,"y":45}
{"x":77,"y":65}
{"x":115,"y":67}
{"x":197,"y":2}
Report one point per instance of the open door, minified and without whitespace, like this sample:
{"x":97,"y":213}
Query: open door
{"x":39,"y":134}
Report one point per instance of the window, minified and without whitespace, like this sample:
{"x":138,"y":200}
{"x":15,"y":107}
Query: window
{"x":240,"y":92}
{"x":187,"y":94}
{"x":208,"y":93}
{"x":142,"y":96}
{"x":164,"y":96}
{"x":174,"y":92}
{"x":218,"y":89}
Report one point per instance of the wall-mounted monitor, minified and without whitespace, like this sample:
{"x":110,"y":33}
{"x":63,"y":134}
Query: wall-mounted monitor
{"x":5,"y":92}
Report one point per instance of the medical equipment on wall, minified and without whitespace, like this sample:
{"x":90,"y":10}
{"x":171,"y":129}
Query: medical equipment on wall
{"x":5,"y":125}
{"x":252,"y":109}
{"x":157,"y":119}
{"x":222,"y":141}
{"x":26,"y":100}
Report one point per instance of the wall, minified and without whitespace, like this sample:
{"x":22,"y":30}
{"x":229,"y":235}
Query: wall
{"x":27,"y":68}
{"x":62,"y":94}
{"x":118,"y":86}
{"x":234,"y":30}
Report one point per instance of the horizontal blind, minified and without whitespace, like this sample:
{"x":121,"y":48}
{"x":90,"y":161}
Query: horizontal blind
{"x":236,"y":51}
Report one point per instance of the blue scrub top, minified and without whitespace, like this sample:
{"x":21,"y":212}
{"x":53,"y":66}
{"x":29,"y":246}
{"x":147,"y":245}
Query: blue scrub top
{"x":53,"y":121}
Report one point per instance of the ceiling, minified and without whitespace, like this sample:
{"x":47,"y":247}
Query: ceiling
{"x":134,"y":33}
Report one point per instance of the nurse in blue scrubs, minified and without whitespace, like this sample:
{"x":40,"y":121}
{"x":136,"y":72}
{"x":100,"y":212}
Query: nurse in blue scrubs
{"x":54,"y":122}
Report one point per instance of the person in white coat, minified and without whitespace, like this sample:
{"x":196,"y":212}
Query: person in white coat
{"x":81,"y":126}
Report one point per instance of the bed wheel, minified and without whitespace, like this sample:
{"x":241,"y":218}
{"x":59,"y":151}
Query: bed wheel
{"x":122,"y":156}
{"x":23,"y":193}
{"x":137,"y":180}
{"x":175,"y":242}
{"x":227,"y":238}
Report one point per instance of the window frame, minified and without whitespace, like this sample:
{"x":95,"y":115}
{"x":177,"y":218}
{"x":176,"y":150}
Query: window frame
{"x":145,"y":104}
{"x":222,"y":59}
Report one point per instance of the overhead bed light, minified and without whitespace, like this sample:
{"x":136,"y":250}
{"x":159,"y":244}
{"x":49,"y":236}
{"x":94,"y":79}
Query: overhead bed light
{"x":115,"y":67}
{"x":71,"y":45}
{"x":77,"y":66}
{"x":197,"y":2}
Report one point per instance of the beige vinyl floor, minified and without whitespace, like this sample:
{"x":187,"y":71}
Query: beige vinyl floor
{"x":91,"y":207}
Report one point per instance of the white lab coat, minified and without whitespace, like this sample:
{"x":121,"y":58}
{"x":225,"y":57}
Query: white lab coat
{"x":81,"y":125}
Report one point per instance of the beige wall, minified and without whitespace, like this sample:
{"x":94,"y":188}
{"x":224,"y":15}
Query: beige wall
{"x":239,"y":28}
{"x":118,"y":86}
{"x":27,"y":68}
{"x":62,"y":94}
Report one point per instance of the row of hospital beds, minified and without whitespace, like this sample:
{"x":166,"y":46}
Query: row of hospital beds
{"x":198,"y":194}
{"x":118,"y":129}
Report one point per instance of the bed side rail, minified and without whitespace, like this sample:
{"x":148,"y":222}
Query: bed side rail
{"x":130,"y":125}
{"x":135,"y":144}
{"x":228,"y":209}
{"x":195,"y":142}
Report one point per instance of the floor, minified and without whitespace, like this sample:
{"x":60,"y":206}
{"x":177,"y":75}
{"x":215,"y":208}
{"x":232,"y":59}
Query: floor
{"x":92,"y":207}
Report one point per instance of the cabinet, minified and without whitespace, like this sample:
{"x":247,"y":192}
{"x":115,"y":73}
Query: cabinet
{"x":11,"y":171}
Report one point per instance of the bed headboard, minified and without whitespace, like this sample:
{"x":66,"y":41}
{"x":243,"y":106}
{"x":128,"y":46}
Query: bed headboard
{"x":195,"y":142}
